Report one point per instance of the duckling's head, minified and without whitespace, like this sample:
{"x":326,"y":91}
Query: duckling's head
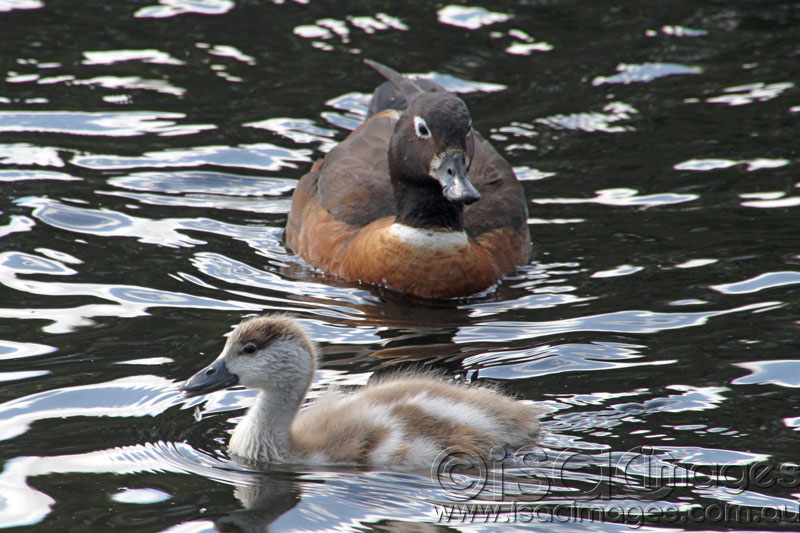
{"x":270,"y":353}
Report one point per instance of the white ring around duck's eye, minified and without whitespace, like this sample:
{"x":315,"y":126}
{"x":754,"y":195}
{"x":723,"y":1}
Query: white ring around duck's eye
{"x":421,"y":127}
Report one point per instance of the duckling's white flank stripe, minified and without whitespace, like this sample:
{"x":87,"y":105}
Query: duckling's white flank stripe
{"x":425,"y":238}
{"x":386,"y":451}
{"x":464,"y":415}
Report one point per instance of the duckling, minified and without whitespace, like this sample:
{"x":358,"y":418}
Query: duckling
{"x":413,"y":200}
{"x":401,"y":422}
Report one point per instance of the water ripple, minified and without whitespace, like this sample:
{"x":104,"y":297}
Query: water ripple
{"x":10,"y":5}
{"x":618,"y":322}
{"x":323,"y":30}
{"x":645,"y":73}
{"x":34,"y":175}
{"x":593,"y":121}
{"x":109,"y":57}
{"x":784,"y":373}
{"x":17,"y":224}
{"x":182,"y":182}
{"x":715,"y":164}
{"x":128,"y":300}
{"x":19,"y":350}
{"x":131,"y":83}
{"x":118,"y":124}
{"x":623,"y":197}
{"x":299,"y":131}
{"x":262,"y":156}
{"x":126,"y":397}
{"x":751,"y":93}
{"x":761,"y":282}
{"x":107,"y":223}
{"x":172,"y":8}
{"x":548,"y":360}
{"x":23,"y":505}
{"x":28,"y":154}
{"x":686,"y":399}
{"x":470,"y":18}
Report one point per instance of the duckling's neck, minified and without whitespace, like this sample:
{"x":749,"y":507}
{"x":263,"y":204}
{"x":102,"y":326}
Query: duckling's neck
{"x":263,"y":434}
{"x":424,"y":206}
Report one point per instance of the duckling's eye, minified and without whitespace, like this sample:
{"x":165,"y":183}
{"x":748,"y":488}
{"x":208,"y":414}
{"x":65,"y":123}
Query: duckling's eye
{"x":421,"y":128}
{"x":249,"y":348}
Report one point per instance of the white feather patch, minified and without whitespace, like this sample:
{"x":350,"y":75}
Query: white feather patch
{"x":458,"y":413}
{"x":429,"y":239}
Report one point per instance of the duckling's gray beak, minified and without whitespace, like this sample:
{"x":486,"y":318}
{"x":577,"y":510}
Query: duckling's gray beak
{"x":452,"y":174}
{"x":212,"y":378}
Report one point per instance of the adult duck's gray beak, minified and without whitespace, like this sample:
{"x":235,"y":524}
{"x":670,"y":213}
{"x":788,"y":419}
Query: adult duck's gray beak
{"x":451,"y":173}
{"x":212,"y":378}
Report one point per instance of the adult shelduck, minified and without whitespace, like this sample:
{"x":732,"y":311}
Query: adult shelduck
{"x":413,"y":200}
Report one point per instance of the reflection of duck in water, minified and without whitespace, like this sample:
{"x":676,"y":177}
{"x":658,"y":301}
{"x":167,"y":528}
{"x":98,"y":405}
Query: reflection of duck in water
{"x":404,"y":421}
{"x":282,"y":495}
{"x":264,"y":500}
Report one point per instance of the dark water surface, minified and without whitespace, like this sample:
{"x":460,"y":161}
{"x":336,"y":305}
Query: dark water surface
{"x":148,"y":150}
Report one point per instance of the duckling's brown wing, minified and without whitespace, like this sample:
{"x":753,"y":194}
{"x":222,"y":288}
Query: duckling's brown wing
{"x":499,"y":220}
{"x":343,"y":192}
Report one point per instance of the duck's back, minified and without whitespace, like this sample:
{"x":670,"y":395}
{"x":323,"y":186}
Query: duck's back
{"x":351,"y":183}
{"x":408,"y":422}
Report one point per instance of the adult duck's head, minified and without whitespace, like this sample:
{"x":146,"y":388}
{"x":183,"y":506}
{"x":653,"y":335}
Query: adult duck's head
{"x":429,"y":156}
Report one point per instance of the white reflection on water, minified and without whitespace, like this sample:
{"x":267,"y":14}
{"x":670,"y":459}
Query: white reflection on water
{"x":117,"y":124}
{"x":470,"y":18}
{"x":300,"y":131}
{"x":623,"y":197}
{"x":140,"y":496}
{"x":207,"y":183}
{"x":715,"y":164}
{"x":10,"y":5}
{"x":605,"y":122}
{"x":645,"y":73}
{"x":25,"y":154}
{"x":18,"y":350}
{"x":261,"y":156}
{"x":685,"y":399}
{"x":618,"y":322}
{"x":129,"y":300}
{"x":550,"y":360}
{"x":326,"y":28}
{"x":107,"y":223}
{"x":109,"y":57}
{"x":768,"y":280}
{"x":782,"y":372}
{"x":171,"y":8}
{"x":751,"y":93}
{"x":126,"y":397}
{"x":23,"y":505}
{"x":206,"y":190}
{"x":33,"y":175}
{"x":23,"y":374}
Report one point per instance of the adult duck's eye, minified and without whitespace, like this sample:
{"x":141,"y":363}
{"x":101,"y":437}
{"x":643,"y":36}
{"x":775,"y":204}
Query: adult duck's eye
{"x":421,"y":128}
{"x":249,"y":348}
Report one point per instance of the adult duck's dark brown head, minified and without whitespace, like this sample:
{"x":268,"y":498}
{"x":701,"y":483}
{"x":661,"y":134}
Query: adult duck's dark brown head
{"x":429,"y":156}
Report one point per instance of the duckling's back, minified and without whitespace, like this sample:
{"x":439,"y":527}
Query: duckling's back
{"x":408,"y":422}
